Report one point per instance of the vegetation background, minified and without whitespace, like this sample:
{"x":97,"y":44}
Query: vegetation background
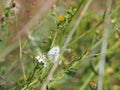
{"x":87,"y":32}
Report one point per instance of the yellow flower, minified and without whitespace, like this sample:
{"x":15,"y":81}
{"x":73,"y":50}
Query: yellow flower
{"x":61,"y":18}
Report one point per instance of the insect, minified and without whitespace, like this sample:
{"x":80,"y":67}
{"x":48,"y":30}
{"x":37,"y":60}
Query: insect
{"x":53,"y":54}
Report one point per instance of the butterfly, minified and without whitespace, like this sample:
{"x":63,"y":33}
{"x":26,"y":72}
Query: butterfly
{"x":53,"y":53}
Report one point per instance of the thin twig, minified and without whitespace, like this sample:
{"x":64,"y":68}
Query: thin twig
{"x":104,"y":46}
{"x":76,"y":25}
{"x":50,"y":76}
{"x":96,"y":67}
{"x":22,"y":64}
{"x":20,"y":49}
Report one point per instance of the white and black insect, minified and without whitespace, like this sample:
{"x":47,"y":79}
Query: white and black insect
{"x":53,"y":54}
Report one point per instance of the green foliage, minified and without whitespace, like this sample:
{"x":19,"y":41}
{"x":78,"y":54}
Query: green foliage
{"x":79,"y":61}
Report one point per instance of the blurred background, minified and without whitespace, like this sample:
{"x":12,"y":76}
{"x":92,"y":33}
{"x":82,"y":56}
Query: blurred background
{"x":26,"y":29}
